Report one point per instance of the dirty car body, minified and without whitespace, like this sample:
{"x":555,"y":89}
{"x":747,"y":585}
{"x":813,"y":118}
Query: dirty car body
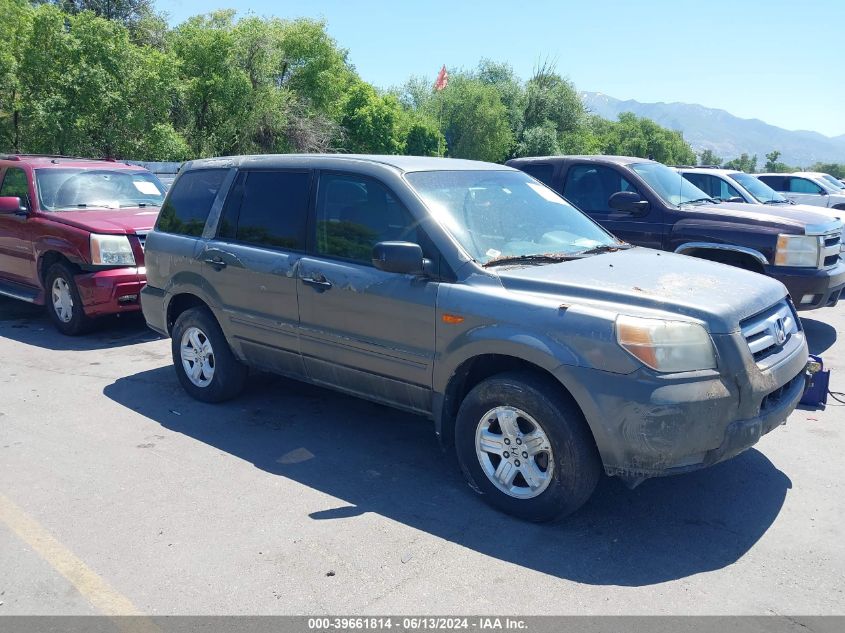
{"x":518,"y":291}
{"x":72,"y":235}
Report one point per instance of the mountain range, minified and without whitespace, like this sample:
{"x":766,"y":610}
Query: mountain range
{"x":727,"y":135}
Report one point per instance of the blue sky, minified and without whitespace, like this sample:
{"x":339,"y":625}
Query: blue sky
{"x":782,"y":62}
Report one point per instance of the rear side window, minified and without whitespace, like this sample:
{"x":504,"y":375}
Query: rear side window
{"x":704,"y":182}
{"x":778,"y":183}
{"x":802,"y":185}
{"x":268,"y":208}
{"x":189,"y":203}
{"x":15,"y":184}
{"x":541,"y":171}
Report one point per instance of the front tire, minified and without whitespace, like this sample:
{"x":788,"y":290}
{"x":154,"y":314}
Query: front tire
{"x":204,"y":363}
{"x":525,"y":447}
{"x":64,"y":304}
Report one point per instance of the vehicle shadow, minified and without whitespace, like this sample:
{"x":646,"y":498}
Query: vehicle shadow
{"x":820,"y":335}
{"x":383,"y":461}
{"x":27,"y":323}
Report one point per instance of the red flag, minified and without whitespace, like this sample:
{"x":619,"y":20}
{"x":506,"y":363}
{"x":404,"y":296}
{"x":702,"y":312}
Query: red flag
{"x":442,"y":79}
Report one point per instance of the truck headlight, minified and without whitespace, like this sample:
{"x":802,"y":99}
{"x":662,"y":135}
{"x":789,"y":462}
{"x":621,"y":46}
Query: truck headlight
{"x":666,"y":346}
{"x":797,"y":250}
{"x":111,"y":250}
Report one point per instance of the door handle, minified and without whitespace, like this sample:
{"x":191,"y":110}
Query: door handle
{"x":318,"y":281}
{"x":216,"y":263}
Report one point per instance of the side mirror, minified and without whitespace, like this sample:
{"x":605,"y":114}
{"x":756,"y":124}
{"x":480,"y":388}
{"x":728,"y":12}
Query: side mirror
{"x":628,"y":202}
{"x":400,"y":257}
{"x":12,"y":205}
{"x":735,"y":199}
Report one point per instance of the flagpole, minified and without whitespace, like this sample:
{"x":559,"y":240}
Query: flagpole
{"x":439,"y":85}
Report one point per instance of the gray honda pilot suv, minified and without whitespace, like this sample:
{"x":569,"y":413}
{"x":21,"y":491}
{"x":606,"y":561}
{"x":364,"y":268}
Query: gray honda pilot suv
{"x":542,"y":347}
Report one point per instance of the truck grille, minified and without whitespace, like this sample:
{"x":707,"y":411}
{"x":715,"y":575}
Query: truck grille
{"x":831,"y":248}
{"x":767,"y":332}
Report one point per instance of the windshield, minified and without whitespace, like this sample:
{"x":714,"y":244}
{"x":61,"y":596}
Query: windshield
{"x":757,"y":188}
{"x":669,"y":184}
{"x":503,"y":214}
{"x":74,"y":188}
{"x":833,"y":181}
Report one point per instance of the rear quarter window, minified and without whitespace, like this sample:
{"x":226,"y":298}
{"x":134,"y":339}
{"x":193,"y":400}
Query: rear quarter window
{"x":544,"y":172}
{"x":186,"y":209}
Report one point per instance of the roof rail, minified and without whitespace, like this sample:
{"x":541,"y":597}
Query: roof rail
{"x":697,"y":166}
{"x":22,"y":156}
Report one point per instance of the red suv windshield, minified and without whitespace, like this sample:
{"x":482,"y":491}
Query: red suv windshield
{"x":66,"y":189}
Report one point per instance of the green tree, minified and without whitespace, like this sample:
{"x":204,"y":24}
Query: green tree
{"x":635,"y":136}
{"x":773,"y":165}
{"x":541,"y":140}
{"x":87,"y":90}
{"x":837,"y":170}
{"x":422,"y":137}
{"x":372,"y":122}
{"x":708,"y":157}
{"x":15,"y":27}
{"x":745,"y":163}
{"x":474,"y":120}
{"x":214,"y":89}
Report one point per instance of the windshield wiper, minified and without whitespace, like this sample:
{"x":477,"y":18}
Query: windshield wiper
{"x":776,"y":202}
{"x":604,"y":248}
{"x":140,"y":205}
{"x":708,"y":199}
{"x":548,"y":258}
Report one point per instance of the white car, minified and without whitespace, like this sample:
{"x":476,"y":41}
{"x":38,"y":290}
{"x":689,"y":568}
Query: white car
{"x":808,"y":187}
{"x":729,"y":185}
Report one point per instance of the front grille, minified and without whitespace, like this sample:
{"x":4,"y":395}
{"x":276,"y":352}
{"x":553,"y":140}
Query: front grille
{"x":831,"y":248}
{"x":767,"y":332}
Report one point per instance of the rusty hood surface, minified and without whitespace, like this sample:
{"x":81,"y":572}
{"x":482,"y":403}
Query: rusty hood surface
{"x":645,"y":279}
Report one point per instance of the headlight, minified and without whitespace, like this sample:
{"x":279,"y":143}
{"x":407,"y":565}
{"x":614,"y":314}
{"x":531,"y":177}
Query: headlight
{"x":666,"y":346}
{"x":111,"y":250}
{"x":797,"y":250}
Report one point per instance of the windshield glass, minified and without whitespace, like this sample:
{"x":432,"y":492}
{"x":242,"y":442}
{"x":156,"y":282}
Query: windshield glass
{"x":757,"y":188}
{"x":65,"y":189}
{"x":836,"y":184}
{"x":502,"y":214}
{"x":668,"y":183}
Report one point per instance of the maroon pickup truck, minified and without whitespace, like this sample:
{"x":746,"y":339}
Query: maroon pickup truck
{"x":72,"y":235}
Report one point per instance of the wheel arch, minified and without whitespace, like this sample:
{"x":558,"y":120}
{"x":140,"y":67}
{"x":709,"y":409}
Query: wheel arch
{"x":473,"y":370}
{"x":182,"y":301}
{"x":730,"y":254}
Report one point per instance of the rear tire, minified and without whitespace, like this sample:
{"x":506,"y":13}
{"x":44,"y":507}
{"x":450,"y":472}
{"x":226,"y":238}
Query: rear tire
{"x":204,"y":363}
{"x":64,"y":304}
{"x":555,"y":466}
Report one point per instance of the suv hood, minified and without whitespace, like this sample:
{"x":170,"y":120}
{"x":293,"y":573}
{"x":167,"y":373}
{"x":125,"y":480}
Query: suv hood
{"x":830,"y":214}
{"x":120,"y":221}
{"x":638,"y":280}
{"x":786,"y":216}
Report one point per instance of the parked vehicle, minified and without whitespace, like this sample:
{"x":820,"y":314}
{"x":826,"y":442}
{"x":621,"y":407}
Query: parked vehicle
{"x":164,"y":171}
{"x":646,"y":203}
{"x":728,"y":185}
{"x":807,"y":187}
{"x":541,"y":346}
{"x":72,"y":235}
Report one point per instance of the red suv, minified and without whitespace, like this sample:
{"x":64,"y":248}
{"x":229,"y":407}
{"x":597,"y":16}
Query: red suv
{"x":72,"y":235}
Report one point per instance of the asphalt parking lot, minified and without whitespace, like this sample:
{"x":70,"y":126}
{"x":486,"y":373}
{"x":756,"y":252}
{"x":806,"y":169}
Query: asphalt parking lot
{"x":119,"y":494}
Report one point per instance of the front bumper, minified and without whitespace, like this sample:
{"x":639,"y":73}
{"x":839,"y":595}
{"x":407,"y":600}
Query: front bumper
{"x":821,"y":287}
{"x":111,"y":291}
{"x":648,"y":425}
